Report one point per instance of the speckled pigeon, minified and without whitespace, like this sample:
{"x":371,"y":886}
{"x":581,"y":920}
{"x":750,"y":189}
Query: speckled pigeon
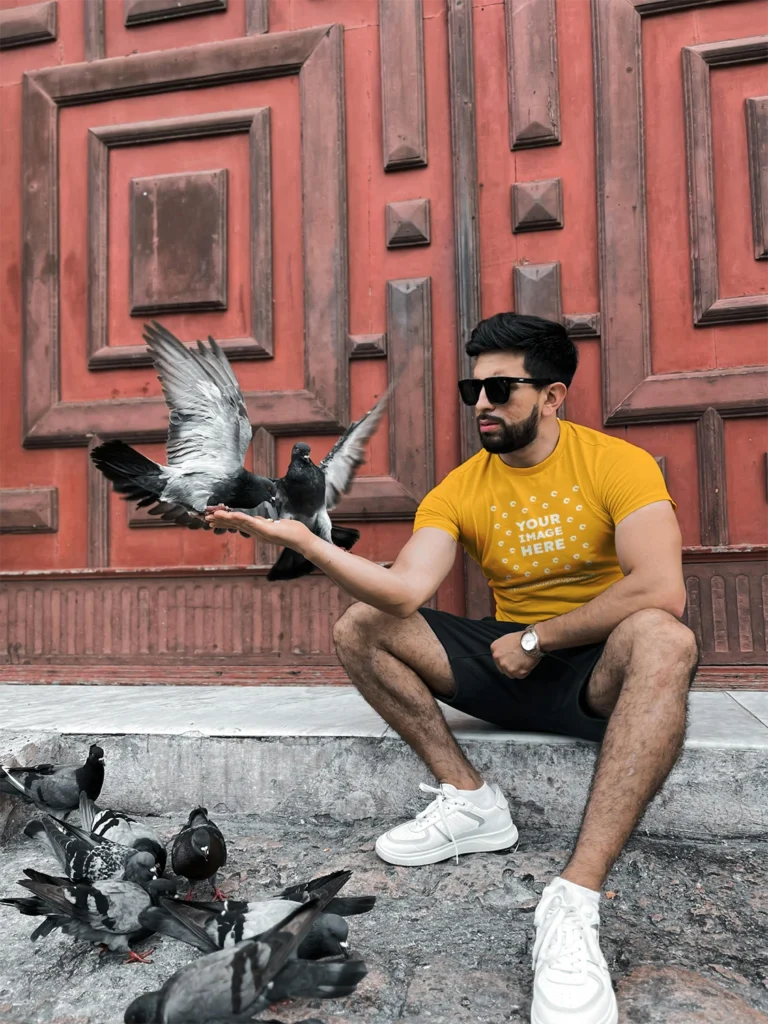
{"x":87,"y":858}
{"x":199,"y":850}
{"x":120,"y":828}
{"x":208,"y":437}
{"x":234,"y":984}
{"x":56,"y":787}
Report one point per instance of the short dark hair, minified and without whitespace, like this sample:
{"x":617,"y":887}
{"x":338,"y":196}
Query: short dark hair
{"x":547,"y":350}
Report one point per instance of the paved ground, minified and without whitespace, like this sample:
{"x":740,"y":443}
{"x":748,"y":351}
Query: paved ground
{"x":685,"y":935}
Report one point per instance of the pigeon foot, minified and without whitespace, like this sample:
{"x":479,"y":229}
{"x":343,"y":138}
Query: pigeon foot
{"x":219,"y":895}
{"x":139,"y":958}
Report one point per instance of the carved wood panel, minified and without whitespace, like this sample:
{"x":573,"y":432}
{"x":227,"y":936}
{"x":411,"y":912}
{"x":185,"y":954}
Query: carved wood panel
{"x":315,"y":55}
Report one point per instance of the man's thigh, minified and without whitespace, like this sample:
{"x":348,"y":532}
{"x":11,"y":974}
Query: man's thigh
{"x":409,"y":640}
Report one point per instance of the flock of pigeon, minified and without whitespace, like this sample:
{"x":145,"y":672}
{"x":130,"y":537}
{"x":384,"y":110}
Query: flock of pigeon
{"x":115,"y":891}
{"x":209,"y":433}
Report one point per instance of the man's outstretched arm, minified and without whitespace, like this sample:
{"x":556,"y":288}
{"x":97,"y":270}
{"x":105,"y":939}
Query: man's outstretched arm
{"x":400,"y":590}
{"x":649,"y":548}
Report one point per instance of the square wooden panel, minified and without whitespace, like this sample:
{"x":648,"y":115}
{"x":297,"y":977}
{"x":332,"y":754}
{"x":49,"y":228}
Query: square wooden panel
{"x":315,"y":55}
{"x":632,"y":393}
{"x":255,"y":123}
{"x":178,"y":242}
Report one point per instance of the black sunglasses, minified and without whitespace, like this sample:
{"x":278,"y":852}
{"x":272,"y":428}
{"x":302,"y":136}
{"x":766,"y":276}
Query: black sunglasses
{"x":497,"y":389}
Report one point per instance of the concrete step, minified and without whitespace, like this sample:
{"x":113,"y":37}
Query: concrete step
{"x":318,"y":750}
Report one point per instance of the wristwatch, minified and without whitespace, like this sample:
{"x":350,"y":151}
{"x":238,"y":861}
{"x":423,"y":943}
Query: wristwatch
{"x":529,"y":642}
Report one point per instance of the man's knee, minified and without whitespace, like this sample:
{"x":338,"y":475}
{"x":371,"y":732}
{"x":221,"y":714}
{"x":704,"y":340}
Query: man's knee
{"x":355,"y":627}
{"x":654,"y":633}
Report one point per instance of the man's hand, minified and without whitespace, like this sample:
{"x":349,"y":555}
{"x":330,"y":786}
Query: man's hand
{"x":288,"y":532}
{"x":510,"y":657}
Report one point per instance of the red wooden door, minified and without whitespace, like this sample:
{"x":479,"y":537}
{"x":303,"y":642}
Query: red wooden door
{"x":337,"y":192}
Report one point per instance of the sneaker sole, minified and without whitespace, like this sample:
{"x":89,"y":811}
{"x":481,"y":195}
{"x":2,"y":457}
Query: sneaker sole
{"x":492,"y":843}
{"x":611,"y":1018}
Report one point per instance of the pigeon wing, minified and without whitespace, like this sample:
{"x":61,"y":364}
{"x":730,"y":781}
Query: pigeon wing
{"x":348,"y":454}
{"x":209,"y":423}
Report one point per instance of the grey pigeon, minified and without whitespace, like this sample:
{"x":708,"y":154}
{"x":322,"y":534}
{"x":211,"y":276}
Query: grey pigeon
{"x":104,"y":912}
{"x":86,"y":858}
{"x":199,"y":850}
{"x":56,"y":787}
{"x":209,"y":433}
{"x":234,"y":984}
{"x":211,"y":926}
{"x":120,"y":828}
{"x":308,"y":492}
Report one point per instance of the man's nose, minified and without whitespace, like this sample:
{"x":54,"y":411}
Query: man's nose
{"x":483,"y":405}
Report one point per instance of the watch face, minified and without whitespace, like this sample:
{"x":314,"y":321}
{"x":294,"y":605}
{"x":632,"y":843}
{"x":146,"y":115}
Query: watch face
{"x":527,"y":642}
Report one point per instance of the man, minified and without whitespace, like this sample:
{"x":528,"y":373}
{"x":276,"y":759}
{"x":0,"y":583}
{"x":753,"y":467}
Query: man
{"x":577,"y":536}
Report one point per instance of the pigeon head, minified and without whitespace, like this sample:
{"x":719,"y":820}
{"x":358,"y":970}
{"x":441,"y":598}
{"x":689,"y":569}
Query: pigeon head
{"x":253,"y":490}
{"x":327,"y":937}
{"x":144,"y":1009}
{"x":201,"y":842}
{"x":96,"y":753}
{"x":141,"y":868}
{"x":301,"y":451}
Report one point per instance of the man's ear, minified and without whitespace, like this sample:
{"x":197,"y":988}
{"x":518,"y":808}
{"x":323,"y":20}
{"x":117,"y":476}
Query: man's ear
{"x":555,"y":397}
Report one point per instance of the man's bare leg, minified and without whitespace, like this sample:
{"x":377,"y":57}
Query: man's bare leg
{"x":642,"y":682}
{"x":397,"y":665}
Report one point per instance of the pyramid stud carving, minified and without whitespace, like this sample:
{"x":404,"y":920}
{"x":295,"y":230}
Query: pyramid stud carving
{"x":537,"y":205}
{"x":407,"y":223}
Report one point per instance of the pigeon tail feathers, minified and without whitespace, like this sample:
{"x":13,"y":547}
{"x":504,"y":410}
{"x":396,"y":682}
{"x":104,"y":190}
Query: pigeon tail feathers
{"x":132,"y":474}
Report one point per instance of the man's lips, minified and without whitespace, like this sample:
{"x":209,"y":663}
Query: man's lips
{"x":486,"y":426}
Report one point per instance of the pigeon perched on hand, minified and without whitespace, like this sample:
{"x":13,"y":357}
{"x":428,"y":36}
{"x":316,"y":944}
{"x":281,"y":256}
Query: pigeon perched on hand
{"x":56,"y":787}
{"x":121,"y":829}
{"x":103,"y":913}
{"x":234,"y":984}
{"x":308,"y":492}
{"x":211,"y":926}
{"x":86,"y":858}
{"x":199,"y":850}
{"x":208,"y":437}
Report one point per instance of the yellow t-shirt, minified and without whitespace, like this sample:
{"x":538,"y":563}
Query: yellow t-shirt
{"x":544,"y":536}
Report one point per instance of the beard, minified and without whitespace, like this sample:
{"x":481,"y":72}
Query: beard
{"x":511,"y":437}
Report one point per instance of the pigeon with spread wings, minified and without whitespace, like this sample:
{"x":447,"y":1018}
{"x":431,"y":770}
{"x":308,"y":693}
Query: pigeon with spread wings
{"x":208,"y":437}
{"x":308,"y":492}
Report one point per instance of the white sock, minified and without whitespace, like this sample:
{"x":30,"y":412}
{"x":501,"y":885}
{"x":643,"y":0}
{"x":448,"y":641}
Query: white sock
{"x":484,"y":798}
{"x":580,"y":891}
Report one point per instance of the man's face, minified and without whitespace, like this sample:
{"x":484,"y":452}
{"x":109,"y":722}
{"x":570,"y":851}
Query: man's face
{"x":515,"y":425}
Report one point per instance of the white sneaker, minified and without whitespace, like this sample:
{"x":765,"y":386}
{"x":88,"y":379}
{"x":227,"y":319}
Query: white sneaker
{"x":571,"y":983}
{"x":449,"y":826}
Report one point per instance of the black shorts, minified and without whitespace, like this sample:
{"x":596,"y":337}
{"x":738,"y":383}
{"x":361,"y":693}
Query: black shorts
{"x":550,"y":699}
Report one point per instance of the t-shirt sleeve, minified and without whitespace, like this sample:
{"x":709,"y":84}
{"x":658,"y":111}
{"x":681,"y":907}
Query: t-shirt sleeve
{"x":437,"y":509}
{"x":630,"y":479}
